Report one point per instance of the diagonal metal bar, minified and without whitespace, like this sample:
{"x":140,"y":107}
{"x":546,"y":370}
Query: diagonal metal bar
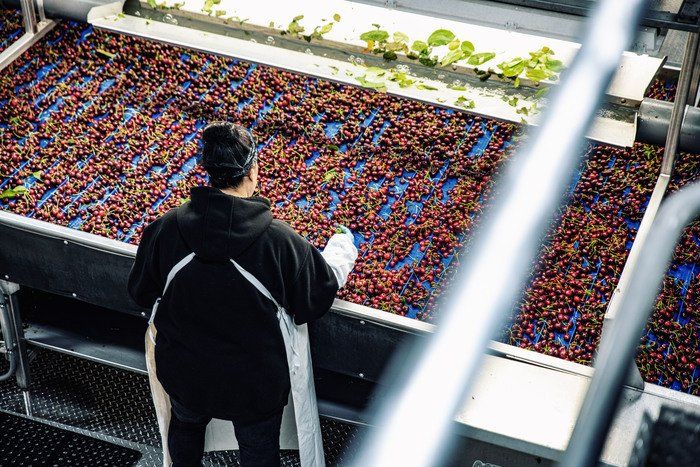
{"x":619,"y":344}
{"x":416,"y":419}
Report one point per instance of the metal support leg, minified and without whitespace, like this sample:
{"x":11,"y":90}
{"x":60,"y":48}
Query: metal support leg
{"x":29,"y":16}
{"x":682,"y":93}
{"x":10,"y":290}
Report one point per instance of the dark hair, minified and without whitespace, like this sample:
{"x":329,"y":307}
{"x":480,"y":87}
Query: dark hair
{"x":228,"y":153}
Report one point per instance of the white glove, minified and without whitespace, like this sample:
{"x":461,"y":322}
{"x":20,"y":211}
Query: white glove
{"x":340,"y":254}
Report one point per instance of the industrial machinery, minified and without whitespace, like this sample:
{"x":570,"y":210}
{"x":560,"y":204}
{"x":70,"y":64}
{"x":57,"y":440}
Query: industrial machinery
{"x":394,"y":117}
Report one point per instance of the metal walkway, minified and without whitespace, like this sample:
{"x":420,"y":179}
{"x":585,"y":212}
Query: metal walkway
{"x":114,"y":405}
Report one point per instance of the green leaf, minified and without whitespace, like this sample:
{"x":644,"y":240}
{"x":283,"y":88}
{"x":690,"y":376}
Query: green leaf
{"x":37,"y":174}
{"x":523,"y":111}
{"x":512,"y":68}
{"x":516,"y":83}
{"x":481,"y":58}
{"x":465,"y":103}
{"x":219,"y":13}
{"x":377,"y":35}
{"x":536,"y":74}
{"x":336,"y":17}
{"x":389,"y":55}
{"x":13,"y":192}
{"x":454,"y":44}
{"x":555,"y":65}
{"x":294,"y":26}
{"x":208,"y":4}
{"x":152,"y":4}
{"x":376,"y":85}
{"x":513,"y":101}
{"x":441,"y":37}
{"x":333,"y":147}
{"x":334,"y":70}
{"x":467,"y":47}
{"x":426,"y":87}
{"x":326,"y":28}
{"x":400,"y":37}
{"x":457,"y":87}
{"x":402,"y":78}
{"x":452,"y":56}
{"x":419,"y":46}
{"x":121,"y":15}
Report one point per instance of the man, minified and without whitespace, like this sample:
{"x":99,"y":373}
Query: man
{"x":219,"y":351}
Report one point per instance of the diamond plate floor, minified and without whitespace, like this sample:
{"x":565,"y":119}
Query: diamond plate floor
{"x":26,"y":442}
{"x":114,"y":405}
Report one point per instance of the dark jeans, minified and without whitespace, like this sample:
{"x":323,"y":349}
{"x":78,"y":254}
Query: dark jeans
{"x":259,"y":442}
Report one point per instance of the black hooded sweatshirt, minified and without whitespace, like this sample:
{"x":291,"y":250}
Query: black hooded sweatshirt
{"x":219,"y":350}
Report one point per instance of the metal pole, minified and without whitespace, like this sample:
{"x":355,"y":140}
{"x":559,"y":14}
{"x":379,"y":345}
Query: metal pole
{"x":678,"y":113}
{"x":40,"y":8}
{"x":416,"y":417}
{"x":618,"y":347}
{"x":10,"y":290}
{"x":8,"y":337}
{"x":29,"y":16}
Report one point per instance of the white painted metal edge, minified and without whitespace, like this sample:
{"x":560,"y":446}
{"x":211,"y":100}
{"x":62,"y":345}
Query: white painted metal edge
{"x":108,"y":9}
{"x":24,"y":42}
{"x":488,"y":103}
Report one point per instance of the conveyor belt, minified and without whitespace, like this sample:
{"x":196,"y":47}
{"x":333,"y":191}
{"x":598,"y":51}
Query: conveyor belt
{"x":115,"y":405}
{"x":313,"y":134}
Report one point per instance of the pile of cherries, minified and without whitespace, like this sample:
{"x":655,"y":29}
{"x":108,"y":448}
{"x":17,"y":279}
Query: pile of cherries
{"x":582,"y":258}
{"x":99,"y":132}
{"x":10,"y":27}
{"x":663,"y":90}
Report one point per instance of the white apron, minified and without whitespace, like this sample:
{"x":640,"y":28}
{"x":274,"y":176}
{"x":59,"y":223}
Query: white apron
{"x":301,"y":428}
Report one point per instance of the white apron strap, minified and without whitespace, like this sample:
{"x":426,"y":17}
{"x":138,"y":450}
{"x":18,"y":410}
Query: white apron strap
{"x":173,"y":272}
{"x":296,"y":340}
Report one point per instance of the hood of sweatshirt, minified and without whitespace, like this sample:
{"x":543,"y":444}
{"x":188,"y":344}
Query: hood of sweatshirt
{"x":217,"y":226}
